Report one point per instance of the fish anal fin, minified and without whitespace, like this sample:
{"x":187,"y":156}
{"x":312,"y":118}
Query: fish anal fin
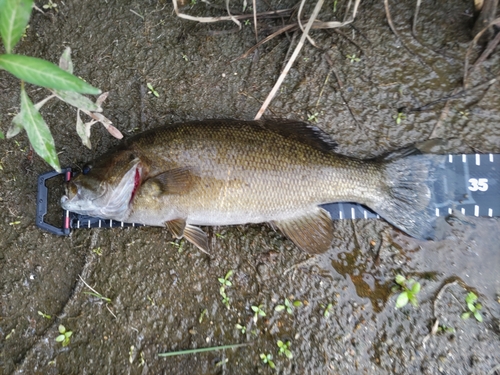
{"x":311,"y":232}
{"x":175,"y":181}
{"x":197,"y":237}
{"x":177,"y":227}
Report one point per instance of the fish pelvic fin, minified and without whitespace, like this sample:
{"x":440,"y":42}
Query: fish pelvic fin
{"x":193,"y":234}
{"x":311,"y":232}
{"x":405,"y":200}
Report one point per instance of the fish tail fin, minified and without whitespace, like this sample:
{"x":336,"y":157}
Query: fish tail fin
{"x":405,"y":201}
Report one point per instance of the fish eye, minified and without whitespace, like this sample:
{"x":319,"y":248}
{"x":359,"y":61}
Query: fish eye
{"x":86,"y":168}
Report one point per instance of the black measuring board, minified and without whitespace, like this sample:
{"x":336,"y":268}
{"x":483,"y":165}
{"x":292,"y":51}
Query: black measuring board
{"x":469,"y":183}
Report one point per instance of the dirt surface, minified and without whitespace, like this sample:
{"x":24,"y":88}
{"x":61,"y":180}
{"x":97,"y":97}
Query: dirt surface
{"x":158,"y":290}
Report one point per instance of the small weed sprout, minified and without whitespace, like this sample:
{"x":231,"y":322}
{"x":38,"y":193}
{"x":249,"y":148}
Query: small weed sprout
{"x":97,"y":251}
{"x":284,"y":349}
{"x":203,"y":314}
{"x":258,"y":311}
{"x":222,"y":363}
{"x":288,"y":306}
{"x":225,"y":283}
{"x":178,"y":245}
{"x":247,"y":22}
{"x":313,"y":117}
{"x":464,"y":114}
{"x":335,"y":6}
{"x":328,"y":309}
{"x":267,"y":358}
{"x":400,"y":117}
{"x":152,"y":90}
{"x":445,"y":329}
{"x":64,"y":336}
{"x":241,"y":328}
{"x":50,"y":5}
{"x":184,"y":56}
{"x":352,"y":58}
{"x":46,"y":316}
{"x":409,"y":288}
{"x":473,"y":307}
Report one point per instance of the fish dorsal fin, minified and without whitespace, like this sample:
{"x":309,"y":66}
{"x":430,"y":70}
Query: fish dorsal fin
{"x":301,"y":132}
{"x":174,"y":181}
{"x":312,"y":232}
{"x":193,"y":234}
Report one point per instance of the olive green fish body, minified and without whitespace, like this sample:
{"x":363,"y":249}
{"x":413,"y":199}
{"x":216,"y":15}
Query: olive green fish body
{"x":226,"y":172}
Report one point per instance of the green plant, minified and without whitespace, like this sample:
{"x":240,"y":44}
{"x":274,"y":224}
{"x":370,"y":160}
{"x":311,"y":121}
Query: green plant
{"x":352,"y":58}
{"x":152,"y":90}
{"x":97,"y":251}
{"x":284,"y":349}
{"x":473,"y":306}
{"x":409,"y":290}
{"x":225,"y":283}
{"x":241,"y":328}
{"x":200,"y":350}
{"x":46,"y":316}
{"x":400,"y":117}
{"x":445,"y":329}
{"x":64,"y":336}
{"x":328,"y":308}
{"x":258,"y":311}
{"x":179,"y":245}
{"x":14,"y":18}
{"x":50,"y":5}
{"x":203,"y":313}
{"x":313,"y":117}
{"x":288,"y":306}
{"x":267,"y":358}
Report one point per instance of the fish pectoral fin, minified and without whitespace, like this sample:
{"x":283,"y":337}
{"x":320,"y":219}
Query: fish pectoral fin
{"x":197,"y":237}
{"x":175,"y":181}
{"x":312,"y":232}
{"x":177,"y":227}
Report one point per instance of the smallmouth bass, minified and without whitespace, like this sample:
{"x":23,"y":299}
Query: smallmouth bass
{"x":230,"y":172}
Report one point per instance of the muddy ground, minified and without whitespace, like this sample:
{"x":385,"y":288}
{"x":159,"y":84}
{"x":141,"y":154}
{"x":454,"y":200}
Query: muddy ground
{"x":158,"y":290}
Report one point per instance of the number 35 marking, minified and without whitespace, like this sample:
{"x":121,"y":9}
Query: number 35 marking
{"x":480,"y":184}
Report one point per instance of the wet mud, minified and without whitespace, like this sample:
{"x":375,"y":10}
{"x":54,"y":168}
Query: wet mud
{"x":164,"y":295}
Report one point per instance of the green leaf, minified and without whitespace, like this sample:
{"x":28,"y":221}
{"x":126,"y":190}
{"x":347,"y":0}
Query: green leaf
{"x":465,"y":315}
{"x":62,"y":329}
{"x":471,"y":297}
{"x":402,"y":300}
{"x":478,"y":316}
{"x":14,"y":16}
{"x":471,"y":306}
{"x":297,"y":303}
{"x":77,"y":100}
{"x":1,"y":135}
{"x":38,"y":132}
{"x":83,"y":130}
{"x":65,"y":62}
{"x":288,"y":354}
{"x":400,"y":279}
{"x":415,"y":288}
{"x":60,"y":338}
{"x":221,"y":280}
{"x":44,"y":73}
{"x":279,"y":308}
{"x":254,"y":308}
